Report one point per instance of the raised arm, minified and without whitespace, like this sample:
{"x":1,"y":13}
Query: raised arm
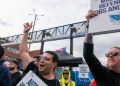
{"x":89,"y":36}
{"x":88,"y":52}
{"x":26,"y":59}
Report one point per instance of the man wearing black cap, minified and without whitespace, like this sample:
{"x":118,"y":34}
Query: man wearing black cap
{"x":15,"y":75}
{"x":5,"y":79}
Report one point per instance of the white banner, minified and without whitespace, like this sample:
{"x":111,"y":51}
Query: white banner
{"x":83,"y":71}
{"x":108,"y":15}
{"x":31,"y":79}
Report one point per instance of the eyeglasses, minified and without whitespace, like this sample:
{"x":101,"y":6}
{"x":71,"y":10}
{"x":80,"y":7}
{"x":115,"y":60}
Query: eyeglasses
{"x":44,"y":58}
{"x":113,"y":54}
{"x":65,"y":73}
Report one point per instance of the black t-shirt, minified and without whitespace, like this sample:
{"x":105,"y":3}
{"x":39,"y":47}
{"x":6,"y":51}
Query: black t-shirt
{"x":16,"y":78}
{"x":101,"y":74}
{"x":22,"y":72}
{"x":33,"y":67}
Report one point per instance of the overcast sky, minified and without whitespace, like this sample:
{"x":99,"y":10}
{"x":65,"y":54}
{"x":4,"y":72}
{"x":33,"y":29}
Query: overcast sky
{"x":14,"y":13}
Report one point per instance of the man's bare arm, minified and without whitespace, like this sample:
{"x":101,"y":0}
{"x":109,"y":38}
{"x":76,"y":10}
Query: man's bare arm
{"x":26,"y":59}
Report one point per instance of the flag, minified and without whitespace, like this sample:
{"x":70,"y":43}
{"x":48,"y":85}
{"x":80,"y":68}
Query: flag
{"x":62,"y":49}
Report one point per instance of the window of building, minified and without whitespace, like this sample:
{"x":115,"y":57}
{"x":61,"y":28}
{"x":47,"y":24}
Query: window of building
{"x":8,"y":49}
{"x":10,"y":58}
{"x":13,"y":50}
{"x":17,"y":51}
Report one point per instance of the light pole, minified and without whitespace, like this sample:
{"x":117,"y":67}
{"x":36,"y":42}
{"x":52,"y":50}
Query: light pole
{"x":33,"y":25}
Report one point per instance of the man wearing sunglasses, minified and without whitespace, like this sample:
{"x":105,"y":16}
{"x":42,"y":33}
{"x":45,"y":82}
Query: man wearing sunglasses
{"x":47,"y":62}
{"x":104,"y":76}
{"x":66,"y":81}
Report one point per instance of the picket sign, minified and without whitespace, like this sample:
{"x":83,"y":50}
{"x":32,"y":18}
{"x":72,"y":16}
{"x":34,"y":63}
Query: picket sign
{"x":83,"y":71}
{"x":31,"y":79}
{"x":108,"y":15}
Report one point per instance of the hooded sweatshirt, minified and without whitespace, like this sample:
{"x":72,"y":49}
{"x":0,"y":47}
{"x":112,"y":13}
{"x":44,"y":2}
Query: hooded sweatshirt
{"x":5,"y":78}
{"x":63,"y":80}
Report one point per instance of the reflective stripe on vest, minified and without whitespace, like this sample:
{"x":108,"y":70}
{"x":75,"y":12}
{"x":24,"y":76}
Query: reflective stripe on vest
{"x":71,"y":83}
{"x":61,"y":82}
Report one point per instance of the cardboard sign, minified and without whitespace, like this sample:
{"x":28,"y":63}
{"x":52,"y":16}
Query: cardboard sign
{"x":83,"y":71}
{"x":31,"y":79}
{"x":108,"y":15}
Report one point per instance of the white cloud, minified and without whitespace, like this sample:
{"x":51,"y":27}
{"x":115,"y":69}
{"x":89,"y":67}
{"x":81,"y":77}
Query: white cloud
{"x":14,"y":13}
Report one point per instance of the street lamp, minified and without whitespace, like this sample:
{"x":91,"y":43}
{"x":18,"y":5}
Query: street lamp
{"x":34,"y":24}
{"x":73,"y":29}
{"x":48,"y":34}
{"x":34,"y":21}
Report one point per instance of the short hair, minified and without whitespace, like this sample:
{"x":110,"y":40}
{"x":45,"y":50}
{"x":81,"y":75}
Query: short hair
{"x":37,"y":58}
{"x":16,"y":62}
{"x":115,"y":47}
{"x":55,"y":56}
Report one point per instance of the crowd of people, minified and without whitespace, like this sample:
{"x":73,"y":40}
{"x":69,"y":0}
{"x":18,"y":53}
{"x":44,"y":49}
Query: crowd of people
{"x":45,"y":64}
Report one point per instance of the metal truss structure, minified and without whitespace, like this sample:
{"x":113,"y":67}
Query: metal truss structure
{"x":51,"y":34}
{"x":56,"y":33}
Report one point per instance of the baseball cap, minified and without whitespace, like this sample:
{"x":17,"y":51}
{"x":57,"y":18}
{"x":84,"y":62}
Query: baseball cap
{"x":16,"y":62}
{"x":1,"y":51}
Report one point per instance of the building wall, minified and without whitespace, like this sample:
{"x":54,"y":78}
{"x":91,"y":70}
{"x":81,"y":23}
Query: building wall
{"x":34,"y":53}
{"x":13,"y":52}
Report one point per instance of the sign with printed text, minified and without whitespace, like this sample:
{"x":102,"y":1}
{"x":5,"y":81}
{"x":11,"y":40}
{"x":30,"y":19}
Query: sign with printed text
{"x":108,"y":15}
{"x":83,"y":71}
{"x":31,"y":79}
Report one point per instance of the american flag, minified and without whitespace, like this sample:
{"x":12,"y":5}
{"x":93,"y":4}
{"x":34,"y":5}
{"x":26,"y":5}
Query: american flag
{"x":62,"y":49}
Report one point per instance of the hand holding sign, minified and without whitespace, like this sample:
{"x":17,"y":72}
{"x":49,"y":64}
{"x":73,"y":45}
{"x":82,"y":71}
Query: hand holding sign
{"x":109,"y":16}
{"x":90,"y":14}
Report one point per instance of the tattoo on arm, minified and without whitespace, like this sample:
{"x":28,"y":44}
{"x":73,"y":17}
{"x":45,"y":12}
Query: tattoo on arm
{"x":89,"y":38}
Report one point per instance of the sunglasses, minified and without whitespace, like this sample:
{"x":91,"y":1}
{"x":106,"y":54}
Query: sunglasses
{"x":44,"y":58}
{"x":113,"y":54}
{"x":65,"y":73}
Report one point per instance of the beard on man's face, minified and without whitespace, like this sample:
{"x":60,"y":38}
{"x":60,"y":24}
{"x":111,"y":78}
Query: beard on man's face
{"x":11,"y":68}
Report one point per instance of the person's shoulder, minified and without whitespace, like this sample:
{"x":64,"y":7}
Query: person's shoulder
{"x":17,"y":73}
{"x":31,"y":66}
{"x":58,"y":82}
{"x":2,"y":67}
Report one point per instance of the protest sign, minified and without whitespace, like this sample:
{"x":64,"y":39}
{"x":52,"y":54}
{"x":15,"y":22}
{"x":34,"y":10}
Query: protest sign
{"x":31,"y":79}
{"x":108,"y":15}
{"x":83,"y":71}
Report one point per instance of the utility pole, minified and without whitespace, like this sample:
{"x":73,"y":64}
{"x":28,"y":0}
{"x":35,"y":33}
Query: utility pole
{"x":36,"y":16}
